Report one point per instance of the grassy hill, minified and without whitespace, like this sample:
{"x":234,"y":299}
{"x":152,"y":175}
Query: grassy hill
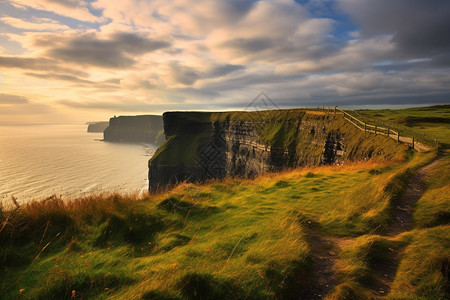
{"x":320,"y":230}
{"x":432,"y":121}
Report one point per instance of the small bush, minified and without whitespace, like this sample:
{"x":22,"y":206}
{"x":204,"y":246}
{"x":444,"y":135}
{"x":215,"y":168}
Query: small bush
{"x":173,"y":204}
{"x":175,"y":241}
{"x":203,"y":286}
{"x":287,"y":279}
{"x":134,"y":228}
{"x":375,"y":171}
{"x":185,"y":208}
{"x":309,"y":175}
{"x":142,"y":227}
{"x":282,"y":184}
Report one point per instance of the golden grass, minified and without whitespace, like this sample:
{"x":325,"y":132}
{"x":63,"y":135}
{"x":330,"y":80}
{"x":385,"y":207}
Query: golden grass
{"x":237,"y":237}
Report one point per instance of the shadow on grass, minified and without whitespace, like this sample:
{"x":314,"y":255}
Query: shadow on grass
{"x":184,"y":208}
{"x":136,"y":228}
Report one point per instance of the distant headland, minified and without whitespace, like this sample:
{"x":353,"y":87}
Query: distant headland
{"x":135,"y":129}
{"x":97,"y":126}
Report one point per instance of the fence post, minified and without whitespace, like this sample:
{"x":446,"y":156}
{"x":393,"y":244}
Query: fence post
{"x":375,"y":129}
{"x":413,"y":142}
{"x":364,"y":127}
{"x":335,"y":109}
{"x":388,"y":131}
{"x":398,"y":136}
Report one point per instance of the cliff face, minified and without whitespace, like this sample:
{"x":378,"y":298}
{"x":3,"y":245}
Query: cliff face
{"x":97,"y":126}
{"x":145,"y":128}
{"x":202,"y":146}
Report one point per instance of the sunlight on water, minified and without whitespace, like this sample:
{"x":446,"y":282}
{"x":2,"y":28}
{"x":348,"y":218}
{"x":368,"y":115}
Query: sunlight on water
{"x":39,"y":160}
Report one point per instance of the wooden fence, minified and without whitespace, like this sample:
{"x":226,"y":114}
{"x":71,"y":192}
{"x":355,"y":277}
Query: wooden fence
{"x":394,"y":133}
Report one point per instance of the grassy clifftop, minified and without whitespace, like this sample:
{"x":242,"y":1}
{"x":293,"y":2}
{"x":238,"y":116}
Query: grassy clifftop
{"x":235,"y":239}
{"x":279,"y":129}
{"x":432,"y":121}
{"x":274,"y":237}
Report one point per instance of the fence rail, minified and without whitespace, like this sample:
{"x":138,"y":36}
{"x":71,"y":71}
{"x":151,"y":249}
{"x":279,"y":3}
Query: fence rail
{"x":418,"y":141}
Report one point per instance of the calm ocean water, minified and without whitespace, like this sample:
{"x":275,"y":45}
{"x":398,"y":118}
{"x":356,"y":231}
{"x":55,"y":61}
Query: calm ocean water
{"x":37,"y":161}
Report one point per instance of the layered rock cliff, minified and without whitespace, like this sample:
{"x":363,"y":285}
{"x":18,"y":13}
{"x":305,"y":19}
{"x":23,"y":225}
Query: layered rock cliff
{"x":202,"y":146}
{"x":145,"y":129}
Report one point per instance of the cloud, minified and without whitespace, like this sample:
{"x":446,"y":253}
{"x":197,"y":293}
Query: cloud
{"x":120,"y":50}
{"x":244,"y":31}
{"x":176,"y":99}
{"x":36,"y":109}
{"x":418,"y":27}
{"x":189,"y":75}
{"x":183,"y":74}
{"x":13,"y":105}
{"x":12,"y":99}
{"x":38,"y":64}
{"x":222,"y":70}
{"x":35,"y":24}
{"x":274,"y":32}
{"x":76,"y":9}
{"x":248,"y":45}
{"x":182,"y":17}
{"x":121,"y":105}
{"x":214,"y":54}
{"x":79,"y":82}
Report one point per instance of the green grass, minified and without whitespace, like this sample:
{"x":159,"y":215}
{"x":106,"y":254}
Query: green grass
{"x":421,"y":256}
{"x":236,"y":238}
{"x":231,"y":239}
{"x":434,"y":207}
{"x":432,"y":122}
{"x":424,"y":270}
{"x":276,"y":128}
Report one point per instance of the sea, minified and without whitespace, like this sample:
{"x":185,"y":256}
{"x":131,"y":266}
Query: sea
{"x":41,"y":160}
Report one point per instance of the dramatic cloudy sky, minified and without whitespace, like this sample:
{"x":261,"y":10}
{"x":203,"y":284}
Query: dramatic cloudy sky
{"x":81,"y":60}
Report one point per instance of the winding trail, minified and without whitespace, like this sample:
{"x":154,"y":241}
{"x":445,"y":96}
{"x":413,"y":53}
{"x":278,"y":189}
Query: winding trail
{"x":384,"y":274}
{"x":404,"y":209}
{"x":403,"y":220}
{"x":326,"y":249}
{"x":323,"y":279}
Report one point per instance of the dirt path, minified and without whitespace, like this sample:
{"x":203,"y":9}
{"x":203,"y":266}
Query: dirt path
{"x":323,"y":280}
{"x":403,"y":221}
{"x":404,"y":209}
{"x":326,"y":251}
{"x":384,"y":274}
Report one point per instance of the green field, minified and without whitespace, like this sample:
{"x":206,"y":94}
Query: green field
{"x":237,"y":239}
{"x":433,"y":121}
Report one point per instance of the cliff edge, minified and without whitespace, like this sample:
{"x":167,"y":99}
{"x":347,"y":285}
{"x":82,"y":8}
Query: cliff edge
{"x":202,"y":145}
{"x":135,"y":129}
{"x":97,"y":126}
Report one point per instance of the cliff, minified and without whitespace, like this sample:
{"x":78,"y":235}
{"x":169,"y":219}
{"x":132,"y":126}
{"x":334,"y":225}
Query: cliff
{"x":97,"y":126}
{"x":145,"y":128}
{"x":202,"y":146}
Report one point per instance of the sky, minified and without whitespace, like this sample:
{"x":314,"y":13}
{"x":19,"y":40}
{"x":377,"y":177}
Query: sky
{"x":87,"y":60}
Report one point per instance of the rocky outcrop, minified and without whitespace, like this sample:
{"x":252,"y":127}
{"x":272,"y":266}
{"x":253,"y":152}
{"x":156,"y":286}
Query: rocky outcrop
{"x":135,"y":129}
{"x":202,"y":146}
{"x":97,"y":126}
